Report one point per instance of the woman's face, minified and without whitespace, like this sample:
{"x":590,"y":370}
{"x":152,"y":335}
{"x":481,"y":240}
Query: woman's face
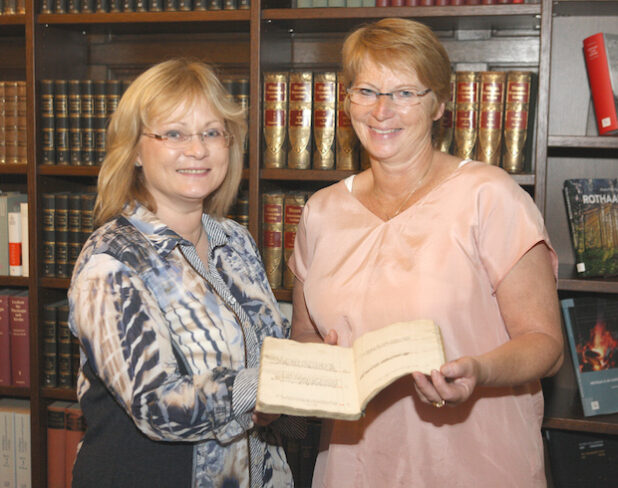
{"x":389,"y":132}
{"x":182,"y":177}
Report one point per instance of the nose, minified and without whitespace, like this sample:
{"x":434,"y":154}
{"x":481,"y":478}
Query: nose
{"x":197,"y":146}
{"x":383,"y":107}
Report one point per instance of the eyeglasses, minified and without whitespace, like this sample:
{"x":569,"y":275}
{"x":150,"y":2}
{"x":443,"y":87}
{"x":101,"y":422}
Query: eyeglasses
{"x":176,"y":139}
{"x":401,"y":98}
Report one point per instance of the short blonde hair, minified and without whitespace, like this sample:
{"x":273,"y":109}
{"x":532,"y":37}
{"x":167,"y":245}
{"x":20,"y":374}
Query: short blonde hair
{"x":400,"y":44}
{"x":153,"y":96}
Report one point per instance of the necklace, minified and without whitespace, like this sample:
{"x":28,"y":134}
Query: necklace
{"x":414,"y":188}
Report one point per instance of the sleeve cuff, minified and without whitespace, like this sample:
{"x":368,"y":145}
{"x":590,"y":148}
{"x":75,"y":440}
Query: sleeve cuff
{"x":243,"y":396}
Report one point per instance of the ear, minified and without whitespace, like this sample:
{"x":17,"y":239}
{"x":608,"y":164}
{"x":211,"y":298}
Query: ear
{"x":439,"y":111}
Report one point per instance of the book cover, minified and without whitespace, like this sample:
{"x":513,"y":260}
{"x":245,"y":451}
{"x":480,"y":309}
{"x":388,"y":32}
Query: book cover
{"x":294,"y":203}
{"x":87,"y":122}
{"x":47,"y":122}
{"x":491,"y":108}
{"x":466,"y":114}
{"x":592,"y":211}
{"x":65,"y":376}
{"x":22,"y":130}
{"x":347,"y":144}
{"x":601,"y":57}
{"x":11,"y":123}
{"x":320,"y":380}
{"x":299,"y":119}
{"x":7,"y":444}
{"x":61,"y":227}
{"x":516,"y":111}
{"x":56,"y":444}
{"x":444,"y":127}
{"x":324,"y":109}
{"x":5,"y":343}
{"x":75,"y":430}
{"x":48,"y":214}
{"x":87,"y":214}
{"x":275,"y":111}
{"x":9,"y":203}
{"x":2,"y":125}
{"x":25,"y":239}
{"x":272,"y":236}
{"x":50,"y":343}
{"x":75,"y":118}
{"x":61,"y":122}
{"x":99,"y":120}
{"x":23,"y":458}
{"x":592,"y":330}
{"x":15,"y":244}
{"x":19,"y":330}
{"x":74,"y":230}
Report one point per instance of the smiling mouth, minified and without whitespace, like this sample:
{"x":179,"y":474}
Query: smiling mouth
{"x":192,"y":171}
{"x":385,"y":131}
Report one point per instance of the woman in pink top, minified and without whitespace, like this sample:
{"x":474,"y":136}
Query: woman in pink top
{"x":422,"y":234}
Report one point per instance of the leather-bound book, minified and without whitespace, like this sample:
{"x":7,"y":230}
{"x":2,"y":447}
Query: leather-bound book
{"x":324,"y":119}
{"x":293,"y":205}
{"x":272,"y":236}
{"x":516,"y":111}
{"x":299,"y":119}
{"x":491,"y":109}
{"x":466,"y":114}
{"x":275,"y":109}
{"x":347,"y":144}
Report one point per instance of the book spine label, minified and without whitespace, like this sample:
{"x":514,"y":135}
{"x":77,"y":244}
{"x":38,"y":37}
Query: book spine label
{"x":272,"y":236}
{"x":491,"y":107}
{"x":466,"y":114}
{"x":20,"y":340}
{"x":275,"y":116}
{"x":347,"y":155}
{"x":5,"y":355}
{"x":445,"y":126}
{"x":299,"y":120}
{"x":516,"y":120}
{"x":293,"y":208}
{"x":324,"y":115}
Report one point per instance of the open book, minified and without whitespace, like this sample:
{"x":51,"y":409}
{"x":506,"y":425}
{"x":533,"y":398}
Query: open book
{"x":319,"y":380}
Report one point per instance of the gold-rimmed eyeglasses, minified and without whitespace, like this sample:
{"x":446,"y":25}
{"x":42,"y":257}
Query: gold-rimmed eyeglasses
{"x":176,"y":139}
{"x":401,"y":98}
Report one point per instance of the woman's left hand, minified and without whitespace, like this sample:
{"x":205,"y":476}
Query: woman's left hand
{"x":453,"y":384}
{"x":263,"y":419}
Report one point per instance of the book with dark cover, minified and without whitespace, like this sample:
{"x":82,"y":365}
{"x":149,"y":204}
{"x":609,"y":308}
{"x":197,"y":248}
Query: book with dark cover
{"x":101,"y":6}
{"x":87,"y":122}
{"x":5,"y":343}
{"x":87,"y":6}
{"x":2,"y":139}
{"x":592,"y":210}
{"x":48,"y":214}
{"x":47,"y":122}
{"x":601,"y":56}
{"x":73,"y":6}
{"x":65,"y":378}
{"x":230,"y":4}
{"x":11,"y":139}
{"x":56,"y":443}
{"x":113,"y":92}
{"x":76,"y":428}
{"x":47,"y":6}
{"x":240,"y":92}
{"x":50,"y":344}
{"x":61,"y":226}
{"x":74,"y":235}
{"x":22,"y":130}
{"x":99,"y":120}
{"x":87,"y":217}
{"x":215,"y":4}
{"x":75,"y":113}
{"x":75,"y":360}
{"x":155,"y":5}
{"x":19,"y":328}
{"x":61,"y":122}
{"x":185,"y":5}
{"x":244,"y":4}
{"x":60,"y":6}
{"x":591,"y":324}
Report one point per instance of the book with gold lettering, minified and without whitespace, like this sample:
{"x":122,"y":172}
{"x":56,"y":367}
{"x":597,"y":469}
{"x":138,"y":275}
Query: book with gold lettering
{"x":272,"y":236}
{"x":348,"y":146}
{"x":516,"y":109}
{"x":491,"y":108}
{"x":321,"y":380}
{"x":324,"y":110}
{"x":299,"y":119}
{"x":293,"y":205}
{"x":466,"y":114}
{"x":275,"y":109}
{"x":444,"y":127}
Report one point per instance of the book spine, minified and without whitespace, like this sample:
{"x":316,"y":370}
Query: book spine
{"x":75,"y":132}
{"x":87,"y":215}
{"x":75,"y":360}
{"x":7,"y":444}
{"x":50,"y":345}
{"x":244,"y":4}
{"x":275,"y":116}
{"x":466,"y":114}
{"x":4,"y":232}
{"x":76,"y":428}
{"x":491,"y":108}
{"x":5,"y":351}
{"x":11,"y":140}
{"x":2,"y":124}
{"x":47,"y":122}
{"x":240,"y":92}
{"x":25,"y":239}
{"x":23,"y":459}
{"x":347,"y":144}
{"x":215,"y":4}
{"x":601,"y":68}
{"x":87,"y":123}
{"x":242,"y":209}
{"x":293,"y":205}
{"x":60,"y":6}
{"x":56,"y":444}
{"x":99,"y":120}
{"x":299,"y":120}
{"x":74,"y":233}
{"x":61,"y":226}
{"x":65,"y":379}
{"x":61,"y":122}
{"x":516,"y":120}
{"x":22,"y":130}
{"x":444,"y":127}
{"x":324,"y":119}
{"x":20,"y":340}
{"x":47,"y":6}
{"x":87,"y":6}
{"x":272,"y":236}
{"x":73,"y":6}
{"x":49,"y":234}
{"x":14,"y":236}
{"x":230,"y":4}
{"x":200,"y":5}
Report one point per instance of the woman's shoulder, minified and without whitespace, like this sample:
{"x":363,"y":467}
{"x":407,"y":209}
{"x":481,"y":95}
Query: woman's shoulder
{"x":326,"y":195}
{"x":480,"y":174}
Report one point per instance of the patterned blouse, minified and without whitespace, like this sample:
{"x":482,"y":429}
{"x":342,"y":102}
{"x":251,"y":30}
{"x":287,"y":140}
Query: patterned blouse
{"x":141,"y":300}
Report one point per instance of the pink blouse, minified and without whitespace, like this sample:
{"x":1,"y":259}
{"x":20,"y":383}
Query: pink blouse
{"x":443,"y":259}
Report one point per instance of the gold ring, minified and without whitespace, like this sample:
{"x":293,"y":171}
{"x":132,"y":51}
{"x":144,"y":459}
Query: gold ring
{"x":439,"y":404}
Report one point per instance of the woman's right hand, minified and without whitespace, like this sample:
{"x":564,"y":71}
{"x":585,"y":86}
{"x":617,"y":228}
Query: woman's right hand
{"x":331,"y":338}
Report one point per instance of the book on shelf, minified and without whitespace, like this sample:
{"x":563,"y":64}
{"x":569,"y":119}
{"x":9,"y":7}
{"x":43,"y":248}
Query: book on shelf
{"x":64,"y":346}
{"x":86,"y":122}
{"x":491,"y":106}
{"x":2,"y":125}
{"x":99,"y":120}
{"x":15,"y":443}
{"x":293,"y":205}
{"x":516,"y":119}
{"x":300,"y":109}
{"x":591,"y":324}
{"x":7,"y":444}
{"x":5,"y":341}
{"x":22,"y":130}
{"x":324,"y":110}
{"x":275,"y":109}
{"x":57,"y":443}
{"x":320,"y":380}
{"x":272,"y":236}
{"x":444,"y":127}
{"x":466,"y":114}
{"x":75,"y":430}
{"x":48,"y":213}
{"x":10,"y":236}
{"x":25,"y":239}
{"x":601,"y":57}
{"x":347,"y":143}
{"x":61,"y":122}
{"x":47,"y":121}
{"x":19,"y":337}
{"x":49,"y":329}
{"x":592,"y":211}
{"x":11,"y":124}
{"x":75,"y":119}
{"x":61,"y":229}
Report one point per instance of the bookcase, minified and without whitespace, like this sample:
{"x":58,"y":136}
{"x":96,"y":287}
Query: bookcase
{"x":543,"y":37}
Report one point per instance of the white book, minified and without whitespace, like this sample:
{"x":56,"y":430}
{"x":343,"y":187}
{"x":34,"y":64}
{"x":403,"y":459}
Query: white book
{"x":7,"y":445}
{"x":23,"y":464}
{"x":15,"y":253}
{"x":25,"y":239}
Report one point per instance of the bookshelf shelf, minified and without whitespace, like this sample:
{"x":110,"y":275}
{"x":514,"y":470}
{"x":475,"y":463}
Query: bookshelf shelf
{"x":17,"y":169}
{"x":588,"y":142}
{"x":59,"y":394}
{"x":68,"y":170}
{"x":14,"y":391}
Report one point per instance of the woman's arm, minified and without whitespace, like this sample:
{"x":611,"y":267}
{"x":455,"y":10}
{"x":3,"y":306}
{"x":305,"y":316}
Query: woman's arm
{"x":303,"y":328}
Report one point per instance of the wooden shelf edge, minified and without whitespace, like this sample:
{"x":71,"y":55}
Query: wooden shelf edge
{"x":68,"y":170}
{"x":589,"y":142}
{"x":145,"y":17}
{"x":59,"y":394}
{"x":20,"y":169}
{"x":14,"y":391}
{"x":569,"y":281}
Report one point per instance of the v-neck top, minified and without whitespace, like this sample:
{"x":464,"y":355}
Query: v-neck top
{"x":441,"y":258}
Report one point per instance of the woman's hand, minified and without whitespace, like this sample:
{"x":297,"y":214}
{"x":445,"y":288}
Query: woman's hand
{"x":453,"y":384}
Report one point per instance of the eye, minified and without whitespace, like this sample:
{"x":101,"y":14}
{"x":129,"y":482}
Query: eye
{"x":405,"y":94}
{"x":367,"y":92}
{"x":213,"y":133}
{"x":174,"y":135}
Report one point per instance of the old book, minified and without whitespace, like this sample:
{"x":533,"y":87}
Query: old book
{"x":19,"y":334}
{"x":76,"y":428}
{"x":230,"y":4}
{"x":7,"y":443}
{"x":22,"y":129}
{"x":299,"y":119}
{"x":347,"y":144}
{"x":87,"y":217}
{"x":591,"y":324}
{"x":444,"y":127}
{"x":2,"y":125}
{"x":75,"y":119}
{"x":601,"y":55}
{"x":275,"y":111}
{"x":87,"y":122}
{"x":5,"y":344}
{"x":99,"y":120}
{"x":491,"y":108}
{"x":240,"y":94}
{"x":592,"y":210}
{"x":50,"y":344}
{"x":293,"y":205}
{"x":25,"y":239}
{"x":56,"y":443}
{"x":65,"y":377}
{"x":466,"y":114}
{"x":47,"y":122}
{"x":15,"y":240}
{"x":113,"y":93}
{"x":10,"y":202}
{"x":215,"y":4}
{"x":11,"y":143}
{"x":22,"y":443}
{"x":48,"y":213}
{"x":272,"y":236}
{"x":324,"y":119}
{"x":74,"y":230}
{"x":516,"y":111}
{"x":61,"y":227}
{"x":61,"y":122}
{"x":73,"y":6}
{"x":320,"y":380}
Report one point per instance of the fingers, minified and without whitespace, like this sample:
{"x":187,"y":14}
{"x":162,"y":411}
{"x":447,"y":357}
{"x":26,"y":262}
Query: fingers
{"x":331,"y":338}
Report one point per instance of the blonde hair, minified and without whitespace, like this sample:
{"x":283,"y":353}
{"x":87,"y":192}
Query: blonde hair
{"x":400,"y":44}
{"x":153,"y":96}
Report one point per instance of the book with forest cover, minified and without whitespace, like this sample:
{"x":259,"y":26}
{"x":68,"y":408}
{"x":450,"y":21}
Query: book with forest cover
{"x":592,"y":210}
{"x":321,"y":380}
{"x":591,"y":324}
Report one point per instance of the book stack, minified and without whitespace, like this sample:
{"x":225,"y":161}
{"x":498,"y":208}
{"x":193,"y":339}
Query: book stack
{"x":14,"y":240}
{"x":65,"y":429}
{"x":14,"y":338}
{"x":116,"y":6}
{"x":67,"y":223}
{"x":15,"y":444}
{"x":13,"y":122}
{"x":304,"y":122}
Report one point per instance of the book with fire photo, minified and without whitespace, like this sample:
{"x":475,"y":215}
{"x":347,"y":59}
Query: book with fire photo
{"x":591,"y":324}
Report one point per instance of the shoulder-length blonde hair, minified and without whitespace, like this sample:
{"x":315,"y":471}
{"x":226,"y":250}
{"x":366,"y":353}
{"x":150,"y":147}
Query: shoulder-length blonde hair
{"x":153,"y":96}
{"x":400,"y":44}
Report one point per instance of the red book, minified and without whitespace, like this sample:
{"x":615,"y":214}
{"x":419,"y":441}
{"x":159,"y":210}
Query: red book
{"x":5,"y":349}
{"x":412,"y":3}
{"x":19,"y":327}
{"x":397,"y":3}
{"x":427,"y":3}
{"x":76,"y":428}
{"x":473,"y":2}
{"x":458,"y":2}
{"x":443,"y":3}
{"x":382,"y":3}
{"x":56,"y":444}
{"x":601,"y":54}
{"x":489,"y":2}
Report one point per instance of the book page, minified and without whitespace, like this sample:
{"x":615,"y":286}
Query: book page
{"x":307,"y":379}
{"x":386,"y":354}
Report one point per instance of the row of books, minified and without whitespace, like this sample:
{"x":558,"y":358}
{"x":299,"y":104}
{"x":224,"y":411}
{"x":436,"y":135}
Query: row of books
{"x":14,"y":338}
{"x":487,"y":117}
{"x":15,"y":443}
{"x":281,"y":213}
{"x":60,"y":347}
{"x":13,"y":122}
{"x":74,"y":116}
{"x":67,"y":223}
{"x":14,"y":259}
{"x":104,"y":6}
{"x":13,"y":7}
{"x":399,"y":3}
{"x":65,"y":429}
